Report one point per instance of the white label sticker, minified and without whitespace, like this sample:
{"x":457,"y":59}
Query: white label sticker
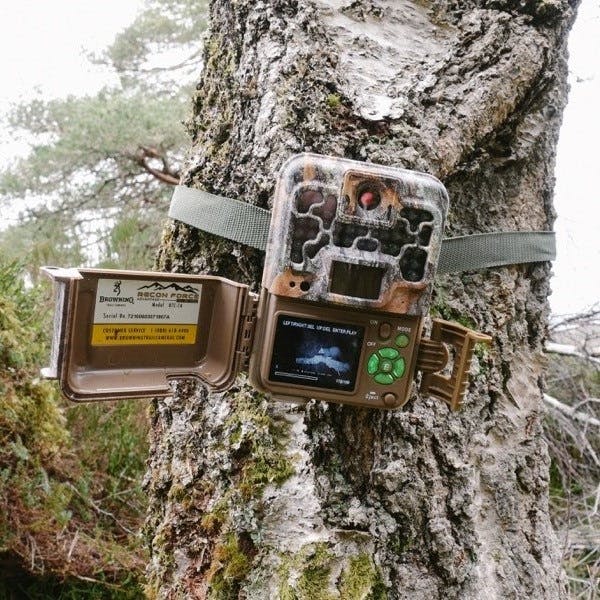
{"x":131,"y":312}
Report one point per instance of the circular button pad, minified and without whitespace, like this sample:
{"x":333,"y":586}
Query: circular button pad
{"x":390,"y":344}
{"x":386,"y":365}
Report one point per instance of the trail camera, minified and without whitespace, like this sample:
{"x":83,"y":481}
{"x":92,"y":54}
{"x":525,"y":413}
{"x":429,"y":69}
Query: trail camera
{"x":349,"y":267}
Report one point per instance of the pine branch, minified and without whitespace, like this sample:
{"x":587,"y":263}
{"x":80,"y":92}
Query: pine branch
{"x":144,"y":154}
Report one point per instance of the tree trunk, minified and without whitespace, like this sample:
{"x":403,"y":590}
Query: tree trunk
{"x":256,"y":499}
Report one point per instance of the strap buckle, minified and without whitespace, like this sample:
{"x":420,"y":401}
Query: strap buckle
{"x":434,"y":356}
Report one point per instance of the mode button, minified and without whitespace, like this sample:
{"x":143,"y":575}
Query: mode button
{"x":402,"y":340}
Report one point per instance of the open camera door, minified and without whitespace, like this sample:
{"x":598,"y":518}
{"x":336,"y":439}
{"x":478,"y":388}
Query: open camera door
{"x":124,"y":334}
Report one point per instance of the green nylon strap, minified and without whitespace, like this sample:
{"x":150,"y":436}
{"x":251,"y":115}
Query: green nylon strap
{"x":484,"y":250}
{"x":249,"y":224}
{"x":228,"y":218}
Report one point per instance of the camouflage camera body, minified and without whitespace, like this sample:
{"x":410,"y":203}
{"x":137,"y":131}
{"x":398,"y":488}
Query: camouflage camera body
{"x":341,"y":228}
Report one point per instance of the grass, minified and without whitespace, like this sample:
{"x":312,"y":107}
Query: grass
{"x":70,"y":497}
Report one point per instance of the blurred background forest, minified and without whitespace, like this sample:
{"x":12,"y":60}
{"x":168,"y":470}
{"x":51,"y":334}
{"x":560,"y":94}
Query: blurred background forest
{"x":93,"y":189}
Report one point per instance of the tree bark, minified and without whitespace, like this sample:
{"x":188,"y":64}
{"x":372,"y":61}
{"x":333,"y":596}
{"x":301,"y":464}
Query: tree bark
{"x":251,"y":498}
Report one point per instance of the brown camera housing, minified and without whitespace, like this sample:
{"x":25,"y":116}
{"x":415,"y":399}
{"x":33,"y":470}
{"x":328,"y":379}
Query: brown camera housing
{"x":347,"y":281}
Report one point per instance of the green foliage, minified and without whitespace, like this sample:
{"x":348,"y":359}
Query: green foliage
{"x":42,"y":241}
{"x":95,"y":187}
{"x":113,"y":447}
{"x":164,"y":26}
{"x":132,"y":241}
{"x":102,"y":204}
{"x":29,"y":419}
{"x":94,"y":135}
{"x":93,"y":190}
{"x":65,"y":501}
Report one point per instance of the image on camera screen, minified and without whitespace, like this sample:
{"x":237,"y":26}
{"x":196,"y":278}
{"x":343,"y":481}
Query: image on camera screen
{"x":316,"y":353}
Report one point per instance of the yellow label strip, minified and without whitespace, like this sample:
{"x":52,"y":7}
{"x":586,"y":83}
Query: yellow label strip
{"x":124,"y":334}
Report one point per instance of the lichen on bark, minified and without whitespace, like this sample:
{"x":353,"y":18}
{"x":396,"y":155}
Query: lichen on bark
{"x":442,"y":504}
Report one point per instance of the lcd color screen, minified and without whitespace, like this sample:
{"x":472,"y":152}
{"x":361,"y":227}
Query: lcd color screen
{"x":316,"y":353}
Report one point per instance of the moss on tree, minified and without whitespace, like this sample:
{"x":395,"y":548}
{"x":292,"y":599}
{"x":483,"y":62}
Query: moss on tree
{"x":316,"y":573}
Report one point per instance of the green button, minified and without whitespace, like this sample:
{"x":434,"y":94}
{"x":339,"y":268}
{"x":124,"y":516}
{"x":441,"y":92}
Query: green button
{"x":388,"y":353}
{"x":373,"y":364}
{"x":399,"y":368}
{"x":386,"y":366}
{"x":384,"y":378}
{"x":402,"y":340}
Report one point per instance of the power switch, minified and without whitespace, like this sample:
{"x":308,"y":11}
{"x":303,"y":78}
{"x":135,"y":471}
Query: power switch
{"x":385,"y":330}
